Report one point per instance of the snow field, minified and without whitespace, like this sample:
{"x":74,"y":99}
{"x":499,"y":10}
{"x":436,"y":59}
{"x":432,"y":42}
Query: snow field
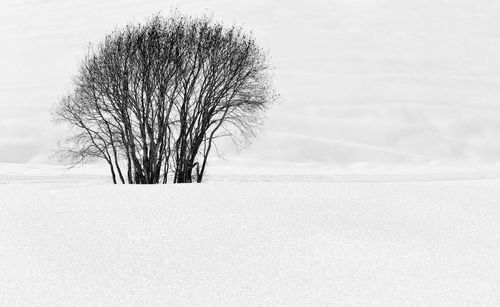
{"x":342,"y":243}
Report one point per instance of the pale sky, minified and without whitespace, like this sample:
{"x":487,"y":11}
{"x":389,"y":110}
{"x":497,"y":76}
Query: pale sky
{"x":362,"y":81}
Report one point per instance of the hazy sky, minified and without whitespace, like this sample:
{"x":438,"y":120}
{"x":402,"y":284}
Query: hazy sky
{"x":362,"y":81}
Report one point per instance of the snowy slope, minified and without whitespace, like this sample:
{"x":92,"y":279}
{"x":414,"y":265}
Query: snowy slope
{"x":431,"y":243}
{"x":365,"y":81}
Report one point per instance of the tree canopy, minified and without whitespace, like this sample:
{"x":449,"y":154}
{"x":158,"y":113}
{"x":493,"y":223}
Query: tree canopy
{"x":152,"y":99}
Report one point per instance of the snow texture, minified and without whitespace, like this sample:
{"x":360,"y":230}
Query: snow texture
{"x":429,"y":241}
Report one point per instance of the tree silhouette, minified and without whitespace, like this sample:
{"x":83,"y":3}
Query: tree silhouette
{"x":155,"y":97}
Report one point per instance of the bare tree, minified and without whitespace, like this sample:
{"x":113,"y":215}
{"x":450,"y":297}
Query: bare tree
{"x":152,"y":99}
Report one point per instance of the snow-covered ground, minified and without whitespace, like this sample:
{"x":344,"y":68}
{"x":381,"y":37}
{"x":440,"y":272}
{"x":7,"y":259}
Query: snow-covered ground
{"x":353,"y":239}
